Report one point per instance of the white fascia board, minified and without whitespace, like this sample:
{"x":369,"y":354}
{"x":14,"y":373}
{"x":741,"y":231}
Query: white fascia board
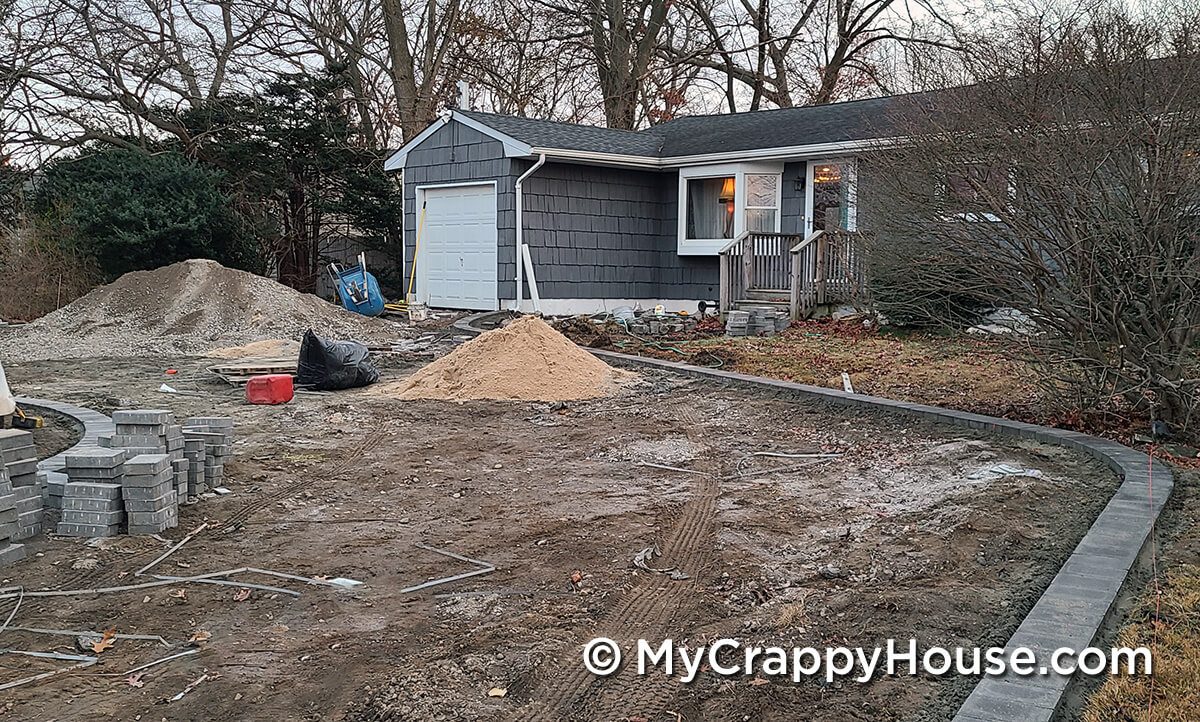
{"x":513,"y":148}
{"x":797,"y":152}
{"x":396,"y":161}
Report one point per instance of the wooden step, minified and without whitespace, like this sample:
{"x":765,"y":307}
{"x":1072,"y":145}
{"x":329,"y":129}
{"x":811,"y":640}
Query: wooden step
{"x":767,"y":294}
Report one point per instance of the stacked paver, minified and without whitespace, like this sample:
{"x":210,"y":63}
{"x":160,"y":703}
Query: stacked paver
{"x":9,"y":551}
{"x":756,"y":321}
{"x":208,"y":441}
{"x":148,"y":490}
{"x":20,"y":492}
{"x":91,"y":501}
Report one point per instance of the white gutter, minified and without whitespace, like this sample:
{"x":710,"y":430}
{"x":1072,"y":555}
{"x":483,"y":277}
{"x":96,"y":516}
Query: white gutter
{"x":521,"y":252}
{"x":814,"y":150}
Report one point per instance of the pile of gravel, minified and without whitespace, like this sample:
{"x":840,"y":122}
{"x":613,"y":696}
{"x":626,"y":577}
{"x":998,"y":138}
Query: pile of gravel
{"x":188,"y":308}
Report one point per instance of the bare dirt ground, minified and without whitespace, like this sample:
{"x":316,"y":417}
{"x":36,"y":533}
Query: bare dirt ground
{"x":894,"y":538}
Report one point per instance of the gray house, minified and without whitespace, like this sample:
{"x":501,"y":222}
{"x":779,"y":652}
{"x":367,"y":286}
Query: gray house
{"x":504,"y":212}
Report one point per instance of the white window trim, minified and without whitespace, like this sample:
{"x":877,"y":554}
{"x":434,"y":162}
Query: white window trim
{"x":851,"y":192}
{"x":711,"y":246}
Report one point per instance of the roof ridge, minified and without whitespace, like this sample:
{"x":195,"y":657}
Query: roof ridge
{"x":553,"y":122}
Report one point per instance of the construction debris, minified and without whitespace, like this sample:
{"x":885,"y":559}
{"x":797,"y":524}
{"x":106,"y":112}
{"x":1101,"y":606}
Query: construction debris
{"x":484,"y":568}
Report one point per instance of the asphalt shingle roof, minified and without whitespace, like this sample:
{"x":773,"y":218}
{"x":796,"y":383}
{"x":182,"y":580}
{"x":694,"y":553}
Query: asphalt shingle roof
{"x":568,"y":136}
{"x":701,"y":134}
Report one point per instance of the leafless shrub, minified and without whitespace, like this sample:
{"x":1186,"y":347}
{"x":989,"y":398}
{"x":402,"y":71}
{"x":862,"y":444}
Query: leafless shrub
{"x":38,"y":276}
{"x":1065,"y":183}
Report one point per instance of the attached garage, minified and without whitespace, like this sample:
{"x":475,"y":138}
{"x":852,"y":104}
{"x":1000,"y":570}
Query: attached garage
{"x":457,"y":248}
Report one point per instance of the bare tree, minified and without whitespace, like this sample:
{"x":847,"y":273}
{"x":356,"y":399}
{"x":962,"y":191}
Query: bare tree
{"x":1064,"y":183}
{"x":338,"y":35}
{"x":122,"y":72}
{"x":811,"y":51}
{"x":420,"y":36}
{"x":620,"y":40}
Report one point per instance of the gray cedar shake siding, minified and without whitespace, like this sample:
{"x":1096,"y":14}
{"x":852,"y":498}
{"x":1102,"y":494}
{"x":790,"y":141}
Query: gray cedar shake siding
{"x":594,"y":232}
{"x":458,"y":154}
{"x":598,"y":232}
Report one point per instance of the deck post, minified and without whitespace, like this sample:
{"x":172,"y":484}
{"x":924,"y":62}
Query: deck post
{"x":726,"y":291}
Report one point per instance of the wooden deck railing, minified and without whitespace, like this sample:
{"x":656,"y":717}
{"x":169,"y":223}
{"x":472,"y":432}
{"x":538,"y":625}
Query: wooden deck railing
{"x":824,"y":268}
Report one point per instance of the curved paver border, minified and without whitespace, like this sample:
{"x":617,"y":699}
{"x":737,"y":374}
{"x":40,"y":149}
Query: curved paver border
{"x":95,"y":424}
{"x":1072,"y":610}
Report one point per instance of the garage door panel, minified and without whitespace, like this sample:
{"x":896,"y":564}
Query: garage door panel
{"x":459,"y":247}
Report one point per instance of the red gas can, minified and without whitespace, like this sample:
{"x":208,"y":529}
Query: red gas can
{"x":269,"y":389}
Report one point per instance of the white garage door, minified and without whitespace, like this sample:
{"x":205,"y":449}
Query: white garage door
{"x":458,"y":248}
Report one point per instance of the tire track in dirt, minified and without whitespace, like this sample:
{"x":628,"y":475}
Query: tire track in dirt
{"x":652,"y":609}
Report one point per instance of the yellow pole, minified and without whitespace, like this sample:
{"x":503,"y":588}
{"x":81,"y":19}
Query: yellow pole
{"x":412,"y":272}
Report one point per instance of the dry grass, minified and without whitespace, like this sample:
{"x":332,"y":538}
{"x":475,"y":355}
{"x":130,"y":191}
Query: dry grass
{"x":37,"y":277}
{"x":1172,"y":631}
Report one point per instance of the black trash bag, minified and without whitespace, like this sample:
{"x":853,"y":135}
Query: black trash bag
{"x":331,"y":365}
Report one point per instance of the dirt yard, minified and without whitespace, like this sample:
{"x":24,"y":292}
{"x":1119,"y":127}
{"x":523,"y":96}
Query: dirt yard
{"x":899,"y":536}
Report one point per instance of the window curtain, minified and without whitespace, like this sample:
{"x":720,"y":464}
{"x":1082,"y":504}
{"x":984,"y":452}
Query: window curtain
{"x":707,"y":215}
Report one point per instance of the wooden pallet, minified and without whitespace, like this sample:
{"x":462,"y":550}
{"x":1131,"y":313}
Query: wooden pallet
{"x":237,"y":373}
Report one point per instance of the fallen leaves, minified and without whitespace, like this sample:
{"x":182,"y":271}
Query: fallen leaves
{"x":107,"y":640}
{"x":135,"y":680}
{"x":241,"y":595}
{"x":199,"y":637}
{"x":177,"y":594}
{"x":497,"y":691}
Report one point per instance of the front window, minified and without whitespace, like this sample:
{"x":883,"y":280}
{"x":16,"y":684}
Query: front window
{"x":762,"y":202}
{"x":710,"y":207}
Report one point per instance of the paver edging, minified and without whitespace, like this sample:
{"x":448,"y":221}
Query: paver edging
{"x":95,"y":424}
{"x":1087,"y":585}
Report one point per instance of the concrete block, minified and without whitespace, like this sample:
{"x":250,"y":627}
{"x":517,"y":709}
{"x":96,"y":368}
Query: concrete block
{"x":87,"y":530}
{"x":147,"y":464}
{"x":53,"y":502}
{"x":85,"y":504}
{"x":212,"y":422}
{"x":17,"y":453}
{"x":14,"y":438}
{"x":11,"y":554}
{"x":144,"y":480}
{"x":8,"y":516}
{"x":21,"y":467}
{"x":94,"y":459}
{"x":106,"y":518}
{"x":127,"y":440}
{"x":23,"y":480}
{"x":161,"y":516}
{"x":143,"y":429}
{"x":143,"y":416}
{"x":8,"y":530}
{"x":144,"y":493}
{"x":101,"y":475}
{"x":92,"y":489}
{"x":28,"y":532}
{"x":104,"y":441}
{"x":141,"y":506}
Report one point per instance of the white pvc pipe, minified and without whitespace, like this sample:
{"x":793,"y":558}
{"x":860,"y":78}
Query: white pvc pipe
{"x":521,"y":231}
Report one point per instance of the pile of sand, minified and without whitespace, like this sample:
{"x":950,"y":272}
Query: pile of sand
{"x":187,"y":308}
{"x":267,"y":348}
{"x":526,"y":360}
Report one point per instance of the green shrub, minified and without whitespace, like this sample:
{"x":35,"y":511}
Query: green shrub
{"x":131,"y":210}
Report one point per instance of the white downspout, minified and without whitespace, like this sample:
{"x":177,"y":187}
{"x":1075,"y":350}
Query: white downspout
{"x":521,"y":231}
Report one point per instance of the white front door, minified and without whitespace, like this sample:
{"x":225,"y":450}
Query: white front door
{"x":457,"y":247}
